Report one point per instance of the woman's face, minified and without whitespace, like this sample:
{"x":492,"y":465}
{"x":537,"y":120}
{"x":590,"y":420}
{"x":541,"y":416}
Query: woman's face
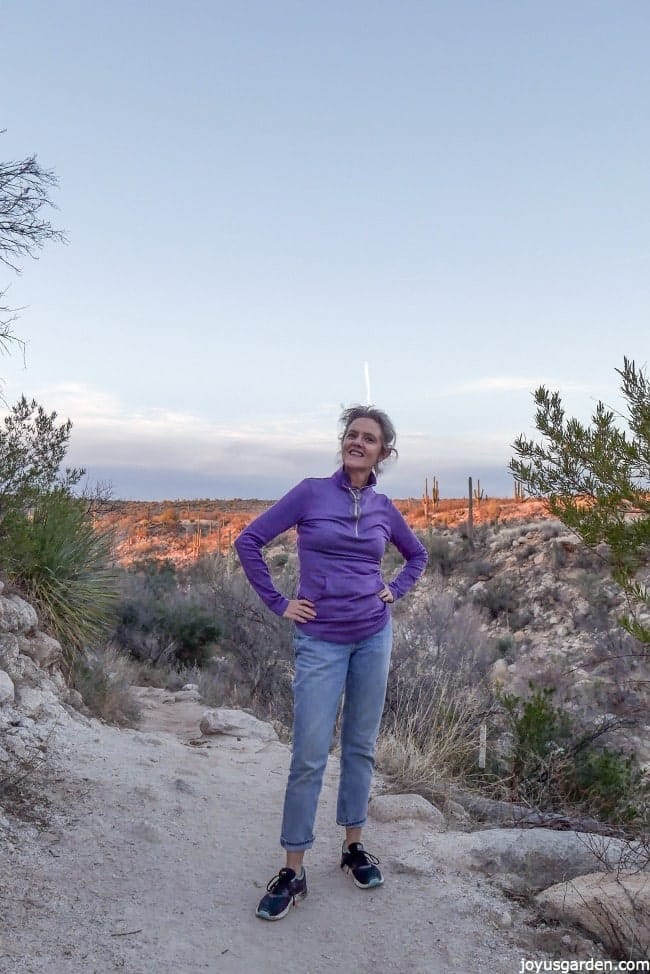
{"x":362,"y":446}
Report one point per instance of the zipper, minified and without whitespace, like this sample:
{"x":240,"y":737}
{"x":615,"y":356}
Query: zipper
{"x":356,"y":500}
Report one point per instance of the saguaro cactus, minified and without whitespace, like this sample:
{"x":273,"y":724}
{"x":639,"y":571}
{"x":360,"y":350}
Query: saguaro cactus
{"x":430,"y":503}
{"x":470,"y":515}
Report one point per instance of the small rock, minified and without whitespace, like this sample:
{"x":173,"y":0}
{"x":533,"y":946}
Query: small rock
{"x":7,"y":691}
{"x":38,"y":703}
{"x":184,"y":695}
{"x":455,"y":811}
{"x":190,"y":686}
{"x":16,"y":615}
{"x":73,"y":698}
{"x":236,"y":723}
{"x":395,"y":808}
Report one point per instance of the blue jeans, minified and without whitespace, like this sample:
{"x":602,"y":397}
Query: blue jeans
{"x":325,"y":670}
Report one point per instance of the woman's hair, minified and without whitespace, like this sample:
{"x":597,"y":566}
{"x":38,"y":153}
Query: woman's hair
{"x":388,"y":434}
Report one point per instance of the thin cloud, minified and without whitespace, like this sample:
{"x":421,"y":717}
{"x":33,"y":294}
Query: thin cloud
{"x":162,"y":449}
{"x":513,"y":383}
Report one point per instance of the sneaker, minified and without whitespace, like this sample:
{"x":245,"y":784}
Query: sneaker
{"x":282,"y":893}
{"x":364,"y":867}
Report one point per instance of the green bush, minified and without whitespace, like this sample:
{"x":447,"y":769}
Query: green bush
{"x":554,"y":765}
{"x":166,"y":626}
{"x":63,"y":565}
{"x":606,"y":779}
{"x":439,"y":552}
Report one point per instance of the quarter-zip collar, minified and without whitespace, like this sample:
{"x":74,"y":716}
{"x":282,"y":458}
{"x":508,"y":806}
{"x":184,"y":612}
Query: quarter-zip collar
{"x":342,"y":478}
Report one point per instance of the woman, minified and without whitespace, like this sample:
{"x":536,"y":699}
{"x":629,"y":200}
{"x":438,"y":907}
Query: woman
{"x":343,"y":638}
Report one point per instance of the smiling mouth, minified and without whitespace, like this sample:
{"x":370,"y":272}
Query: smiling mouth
{"x":355,"y":453}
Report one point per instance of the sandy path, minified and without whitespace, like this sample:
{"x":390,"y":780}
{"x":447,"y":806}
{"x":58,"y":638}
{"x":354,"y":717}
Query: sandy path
{"x":159,"y":852}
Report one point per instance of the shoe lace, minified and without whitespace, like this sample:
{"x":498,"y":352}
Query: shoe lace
{"x":359,"y":857}
{"x":280,"y":882}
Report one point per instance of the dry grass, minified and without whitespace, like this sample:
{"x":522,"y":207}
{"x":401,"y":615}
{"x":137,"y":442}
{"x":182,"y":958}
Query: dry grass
{"x":104,"y":679}
{"x":431,"y":732}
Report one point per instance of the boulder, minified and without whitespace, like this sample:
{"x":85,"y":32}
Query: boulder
{"x":397,"y":808}
{"x":613,"y":907}
{"x":37,"y":702}
{"x":41,"y":648}
{"x":16,"y":615}
{"x":73,"y":698}
{"x":537,"y":857}
{"x":236,"y":723}
{"x":7,"y":692}
{"x":9,"y":648}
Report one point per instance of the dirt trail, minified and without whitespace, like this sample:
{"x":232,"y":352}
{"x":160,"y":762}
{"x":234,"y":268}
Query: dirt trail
{"x":159,"y":851}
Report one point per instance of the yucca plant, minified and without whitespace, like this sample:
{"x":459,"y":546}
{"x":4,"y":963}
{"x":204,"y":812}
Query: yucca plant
{"x":64,"y":566}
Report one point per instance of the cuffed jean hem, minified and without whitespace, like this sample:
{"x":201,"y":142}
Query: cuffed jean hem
{"x":296,"y":846}
{"x":352,"y":825}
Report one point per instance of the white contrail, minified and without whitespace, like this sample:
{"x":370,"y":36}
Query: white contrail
{"x":366,"y":372}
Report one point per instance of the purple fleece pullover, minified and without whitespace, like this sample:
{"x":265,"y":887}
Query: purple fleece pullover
{"x":342,"y":536}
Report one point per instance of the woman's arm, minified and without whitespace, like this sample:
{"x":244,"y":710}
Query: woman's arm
{"x":284,"y":514}
{"x":411,"y":549}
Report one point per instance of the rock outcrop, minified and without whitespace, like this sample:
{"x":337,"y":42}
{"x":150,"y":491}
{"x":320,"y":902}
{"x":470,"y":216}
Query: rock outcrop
{"x":34,"y":697}
{"x":612,"y":907}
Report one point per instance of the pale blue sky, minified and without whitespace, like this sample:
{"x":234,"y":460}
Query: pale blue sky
{"x":262,"y":196}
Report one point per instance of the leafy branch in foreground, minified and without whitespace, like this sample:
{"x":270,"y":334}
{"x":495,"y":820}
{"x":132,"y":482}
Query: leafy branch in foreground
{"x":24,"y":195}
{"x":596,"y":479}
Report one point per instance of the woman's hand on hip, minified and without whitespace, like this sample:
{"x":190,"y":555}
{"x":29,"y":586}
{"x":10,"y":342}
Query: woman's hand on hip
{"x":300,"y":610}
{"x":386,"y":595}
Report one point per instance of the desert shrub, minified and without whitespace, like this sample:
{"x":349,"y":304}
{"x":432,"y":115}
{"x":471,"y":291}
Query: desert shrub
{"x":158,"y":576}
{"x":104,"y":678}
{"x":498,"y":596}
{"x":481,"y":568}
{"x":555,"y":764}
{"x":557,"y":556}
{"x":524,"y":551}
{"x":64,"y":567}
{"x":504,"y":647}
{"x":168,"y":629}
{"x":169,"y":516}
{"x":607,"y":781}
{"x":256,"y":646}
{"x":32,"y":450}
{"x":550,"y":529}
{"x":439,"y":552}
{"x":439,"y":630}
{"x":435,"y":700}
{"x":430,"y":729}
{"x":208,"y":617}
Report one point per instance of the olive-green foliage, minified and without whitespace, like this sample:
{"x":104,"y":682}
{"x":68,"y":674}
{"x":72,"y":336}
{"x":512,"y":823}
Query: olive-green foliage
{"x":597,"y":479}
{"x":539,"y":730}
{"x":104,"y":678}
{"x":158,"y":621}
{"x":439,"y":551}
{"x":552,"y":764}
{"x":55,"y":555}
{"x":605,"y":779}
{"x":32,"y":449}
